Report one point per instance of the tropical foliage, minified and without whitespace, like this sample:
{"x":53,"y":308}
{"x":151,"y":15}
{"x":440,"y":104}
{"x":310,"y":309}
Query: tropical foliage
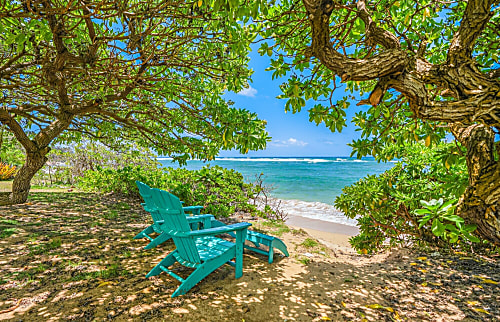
{"x":67,"y":163}
{"x":419,"y":70}
{"x":385,"y":205}
{"x":150,"y":71}
{"x":221,"y":191}
{"x":444,"y":223}
{"x":11,"y":151}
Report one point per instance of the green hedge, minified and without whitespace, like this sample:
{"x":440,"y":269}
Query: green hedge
{"x":221,"y":191}
{"x":384,"y":205}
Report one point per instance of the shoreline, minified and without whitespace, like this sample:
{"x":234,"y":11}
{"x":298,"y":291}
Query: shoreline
{"x":321,"y":225}
{"x":329,"y":233}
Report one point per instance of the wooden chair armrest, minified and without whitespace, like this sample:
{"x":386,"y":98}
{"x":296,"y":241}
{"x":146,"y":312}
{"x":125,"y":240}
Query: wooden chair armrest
{"x":220,"y":230}
{"x":210,"y":231}
{"x":199,"y":218}
{"x":191,"y":208}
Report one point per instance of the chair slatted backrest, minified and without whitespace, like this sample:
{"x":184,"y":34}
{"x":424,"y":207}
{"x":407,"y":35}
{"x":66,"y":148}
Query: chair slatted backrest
{"x":145,"y":192}
{"x":170,"y":209}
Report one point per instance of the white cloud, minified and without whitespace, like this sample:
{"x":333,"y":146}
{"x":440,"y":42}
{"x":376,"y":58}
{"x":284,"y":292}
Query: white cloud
{"x":289,"y":142}
{"x":248,"y":92}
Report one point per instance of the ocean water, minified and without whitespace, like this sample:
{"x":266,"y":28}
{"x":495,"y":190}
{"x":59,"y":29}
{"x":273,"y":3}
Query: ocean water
{"x":307,"y":186}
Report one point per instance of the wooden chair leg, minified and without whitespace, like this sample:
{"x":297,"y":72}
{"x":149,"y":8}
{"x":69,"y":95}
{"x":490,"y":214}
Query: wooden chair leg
{"x":158,"y":240}
{"x":240,"y":240}
{"x":201,"y":272}
{"x":271,"y":254}
{"x":166,"y":262}
{"x":145,"y":232}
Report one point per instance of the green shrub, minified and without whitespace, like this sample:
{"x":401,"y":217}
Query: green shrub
{"x":221,"y":191}
{"x":7,"y":232}
{"x":68,"y":163}
{"x":309,"y":243}
{"x":121,"y":180}
{"x":439,"y":215}
{"x":384,"y":205}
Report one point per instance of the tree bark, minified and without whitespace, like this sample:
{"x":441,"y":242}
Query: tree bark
{"x":480,"y":203}
{"x":475,"y":95}
{"x":22,"y":181}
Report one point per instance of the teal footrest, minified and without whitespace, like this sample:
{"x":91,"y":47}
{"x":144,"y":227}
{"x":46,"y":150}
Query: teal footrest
{"x":258,"y":239}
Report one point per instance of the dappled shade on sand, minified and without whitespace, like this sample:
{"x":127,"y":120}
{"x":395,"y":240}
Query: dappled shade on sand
{"x":72,"y":256}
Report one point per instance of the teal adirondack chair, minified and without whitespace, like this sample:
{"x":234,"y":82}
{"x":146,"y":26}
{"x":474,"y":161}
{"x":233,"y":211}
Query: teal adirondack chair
{"x":198,"y":249}
{"x":255,"y":238}
{"x":158,"y":220}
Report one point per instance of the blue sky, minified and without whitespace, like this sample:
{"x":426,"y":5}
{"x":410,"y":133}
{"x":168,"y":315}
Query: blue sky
{"x":292,"y":134}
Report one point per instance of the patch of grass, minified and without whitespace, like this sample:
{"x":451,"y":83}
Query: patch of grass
{"x":7,"y":232}
{"x":304,"y":260}
{"x":45,"y":248}
{"x":39,"y":269}
{"x":277,"y":228}
{"x":32,"y":237}
{"x":9,"y":222}
{"x":309,"y":243}
{"x":113,"y":214}
{"x":122,"y":206}
{"x":114,"y":270}
{"x":298,"y":232}
{"x":69,"y":262}
{"x":281,"y":231}
{"x":25,"y":275}
{"x":54,"y":243}
{"x":95,"y":223}
{"x":2,"y":281}
{"x":273,"y":224}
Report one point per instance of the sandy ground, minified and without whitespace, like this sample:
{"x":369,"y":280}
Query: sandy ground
{"x":72,"y":258}
{"x":329,"y":233}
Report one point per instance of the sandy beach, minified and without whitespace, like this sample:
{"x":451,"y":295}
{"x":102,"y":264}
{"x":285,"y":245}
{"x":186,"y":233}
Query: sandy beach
{"x":82,"y":264}
{"x":329,"y":233}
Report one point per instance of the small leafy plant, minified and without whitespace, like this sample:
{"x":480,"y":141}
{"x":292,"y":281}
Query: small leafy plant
{"x":309,"y":243}
{"x":445,"y":223}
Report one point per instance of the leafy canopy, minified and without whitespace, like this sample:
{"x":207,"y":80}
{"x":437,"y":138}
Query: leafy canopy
{"x":419,"y":70}
{"x":333,"y":52}
{"x":149,"y":71}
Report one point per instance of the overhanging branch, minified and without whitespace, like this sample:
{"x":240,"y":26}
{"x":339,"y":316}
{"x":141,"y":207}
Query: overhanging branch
{"x":476,"y":16}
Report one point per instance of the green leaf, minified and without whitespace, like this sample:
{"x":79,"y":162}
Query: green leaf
{"x":422,"y":211}
{"x":438,"y":228}
{"x":453,"y":218}
{"x":470,"y":228}
{"x":470,"y":237}
{"x":453,"y":238}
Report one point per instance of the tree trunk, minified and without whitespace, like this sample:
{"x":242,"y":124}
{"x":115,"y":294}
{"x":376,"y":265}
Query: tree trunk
{"x":480,"y":203}
{"x":22,"y":181}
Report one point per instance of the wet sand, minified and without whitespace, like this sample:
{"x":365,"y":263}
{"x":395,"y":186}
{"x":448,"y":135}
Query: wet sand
{"x":325,"y":231}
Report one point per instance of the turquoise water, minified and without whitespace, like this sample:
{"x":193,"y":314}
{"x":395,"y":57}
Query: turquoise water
{"x":306,"y":187}
{"x":305,"y":179}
